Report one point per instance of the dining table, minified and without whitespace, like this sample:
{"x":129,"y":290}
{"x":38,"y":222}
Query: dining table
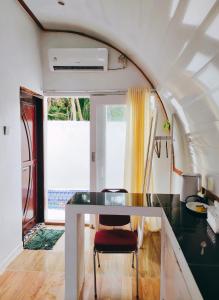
{"x":182,"y":235}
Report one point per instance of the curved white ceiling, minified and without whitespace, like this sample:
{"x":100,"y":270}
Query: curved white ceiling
{"x":176,"y":42}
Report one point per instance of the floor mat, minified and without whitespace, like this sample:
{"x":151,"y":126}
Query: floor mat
{"x":43,"y":239}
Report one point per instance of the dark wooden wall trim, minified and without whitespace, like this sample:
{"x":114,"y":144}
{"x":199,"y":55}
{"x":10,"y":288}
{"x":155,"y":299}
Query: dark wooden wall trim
{"x":55,"y":223}
{"x":176,"y":170}
{"x":24,"y":90}
{"x":24,"y":5}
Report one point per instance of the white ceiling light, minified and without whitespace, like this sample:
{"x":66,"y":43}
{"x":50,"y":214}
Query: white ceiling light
{"x":209,"y":76}
{"x":213,"y":29}
{"x":197,"y":62}
{"x":196,"y":11}
{"x":215,"y":97}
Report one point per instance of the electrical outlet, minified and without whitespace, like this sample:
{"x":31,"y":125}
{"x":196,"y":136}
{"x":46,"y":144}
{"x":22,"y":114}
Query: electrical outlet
{"x":210,"y":184}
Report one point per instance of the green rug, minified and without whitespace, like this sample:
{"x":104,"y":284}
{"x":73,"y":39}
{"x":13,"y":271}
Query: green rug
{"x":43,"y":239}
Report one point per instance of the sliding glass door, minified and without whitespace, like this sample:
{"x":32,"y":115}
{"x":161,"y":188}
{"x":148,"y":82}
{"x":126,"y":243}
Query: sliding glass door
{"x":107,"y":142}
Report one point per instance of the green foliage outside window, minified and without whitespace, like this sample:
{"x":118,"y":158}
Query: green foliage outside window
{"x":62,"y":109}
{"x":85,"y":108}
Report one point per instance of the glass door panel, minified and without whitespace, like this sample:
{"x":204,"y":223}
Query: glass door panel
{"x":108,"y":133}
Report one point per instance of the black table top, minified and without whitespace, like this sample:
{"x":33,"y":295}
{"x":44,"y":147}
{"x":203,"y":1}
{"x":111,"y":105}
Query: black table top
{"x":109,"y":199}
{"x":190,"y":230}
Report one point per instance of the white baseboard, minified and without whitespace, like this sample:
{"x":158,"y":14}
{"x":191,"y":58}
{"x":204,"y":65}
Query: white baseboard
{"x":11,"y":256}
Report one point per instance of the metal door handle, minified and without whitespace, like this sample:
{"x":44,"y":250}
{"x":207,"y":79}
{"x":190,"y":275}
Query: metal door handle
{"x":93,"y":156}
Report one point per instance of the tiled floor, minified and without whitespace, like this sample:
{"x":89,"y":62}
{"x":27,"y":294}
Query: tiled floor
{"x":57,"y":199}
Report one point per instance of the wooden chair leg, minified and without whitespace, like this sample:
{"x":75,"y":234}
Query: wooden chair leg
{"x":95,"y":280}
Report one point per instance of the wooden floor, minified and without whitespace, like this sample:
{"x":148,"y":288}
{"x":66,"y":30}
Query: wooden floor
{"x":39,"y":275}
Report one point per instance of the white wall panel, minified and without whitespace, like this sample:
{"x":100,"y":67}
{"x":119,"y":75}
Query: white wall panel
{"x":20,"y":66}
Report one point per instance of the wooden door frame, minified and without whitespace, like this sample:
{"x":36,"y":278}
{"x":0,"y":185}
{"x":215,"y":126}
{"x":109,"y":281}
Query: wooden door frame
{"x":24,"y":95}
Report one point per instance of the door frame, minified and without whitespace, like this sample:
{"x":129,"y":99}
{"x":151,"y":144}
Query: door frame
{"x":27,"y":95}
{"x":96,"y":101}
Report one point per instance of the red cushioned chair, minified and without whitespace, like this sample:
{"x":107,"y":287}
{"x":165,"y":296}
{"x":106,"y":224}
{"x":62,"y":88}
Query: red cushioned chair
{"x":115,"y":240}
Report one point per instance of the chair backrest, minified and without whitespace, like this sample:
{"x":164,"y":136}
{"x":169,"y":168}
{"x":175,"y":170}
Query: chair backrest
{"x":114,"y":220}
{"x":114,"y":191}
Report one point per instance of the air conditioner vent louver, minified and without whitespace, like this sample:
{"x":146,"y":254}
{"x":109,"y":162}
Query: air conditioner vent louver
{"x":95,"y":68}
{"x":78,"y":59}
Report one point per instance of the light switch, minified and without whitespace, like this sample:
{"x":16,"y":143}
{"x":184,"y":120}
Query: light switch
{"x":6,"y":130}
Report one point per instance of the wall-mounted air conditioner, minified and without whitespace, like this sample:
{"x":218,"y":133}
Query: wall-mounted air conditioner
{"x":78,"y":59}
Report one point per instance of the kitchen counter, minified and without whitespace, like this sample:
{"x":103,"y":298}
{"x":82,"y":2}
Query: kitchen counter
{"x":190,"y":230}
{"x":186,"y":231}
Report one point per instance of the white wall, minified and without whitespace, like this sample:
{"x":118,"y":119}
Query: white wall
{"x":68,"y":155}
{"x":20,"y":66}
{"x":64,"y":81}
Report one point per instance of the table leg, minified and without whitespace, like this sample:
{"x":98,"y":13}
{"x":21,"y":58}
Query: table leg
{"x":74,"y":254}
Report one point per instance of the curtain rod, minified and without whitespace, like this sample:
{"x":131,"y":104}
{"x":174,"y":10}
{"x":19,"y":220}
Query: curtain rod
{"x":87,"y":92}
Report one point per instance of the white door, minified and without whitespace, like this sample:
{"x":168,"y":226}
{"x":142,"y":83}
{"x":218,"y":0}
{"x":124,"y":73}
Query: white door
{"x":107,"y":138}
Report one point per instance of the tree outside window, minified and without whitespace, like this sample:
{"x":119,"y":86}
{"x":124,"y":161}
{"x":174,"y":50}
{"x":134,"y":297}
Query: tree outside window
{"x":69,"y":108}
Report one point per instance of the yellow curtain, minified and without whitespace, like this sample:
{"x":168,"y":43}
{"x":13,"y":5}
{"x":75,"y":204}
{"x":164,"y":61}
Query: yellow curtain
{"x":136,"y":140}
{"x":138,"y":123}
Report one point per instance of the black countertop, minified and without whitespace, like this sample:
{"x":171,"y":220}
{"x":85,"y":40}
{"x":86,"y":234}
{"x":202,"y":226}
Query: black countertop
{"x":190,"y":230}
